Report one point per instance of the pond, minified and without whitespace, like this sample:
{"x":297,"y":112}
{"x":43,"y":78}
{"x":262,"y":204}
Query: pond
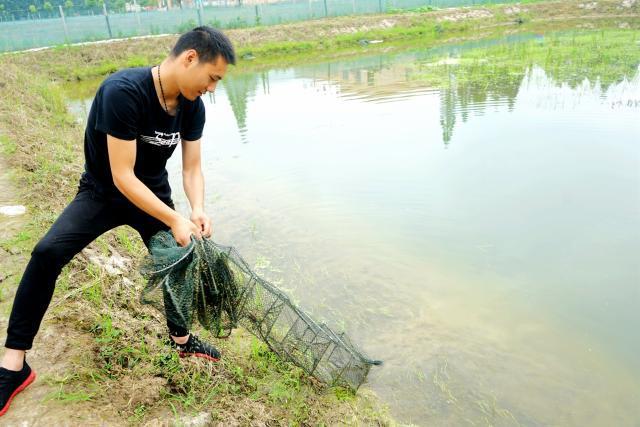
{"x":468,"y":214}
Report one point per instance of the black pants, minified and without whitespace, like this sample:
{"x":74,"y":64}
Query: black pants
{"x":88,"y":216}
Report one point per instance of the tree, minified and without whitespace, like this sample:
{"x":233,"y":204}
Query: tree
{"x":68,"y":4}
{"x":117,"y":4}
{"x":33,"y":8}
{"x":47,"y":6}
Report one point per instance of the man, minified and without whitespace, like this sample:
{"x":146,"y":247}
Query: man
{"x":137,"y":119}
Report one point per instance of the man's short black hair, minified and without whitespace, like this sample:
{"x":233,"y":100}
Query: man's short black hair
{"x":208,"y":42}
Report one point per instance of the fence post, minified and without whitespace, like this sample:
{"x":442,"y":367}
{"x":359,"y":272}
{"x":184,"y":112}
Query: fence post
{"x":64,"y":24}
{"x":137,"y":12}
{"x":106,"y":17}
{"x":257,"y":15}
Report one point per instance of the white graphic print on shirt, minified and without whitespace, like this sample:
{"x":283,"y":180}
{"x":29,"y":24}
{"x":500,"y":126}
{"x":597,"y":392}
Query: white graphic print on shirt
{"x":163,"y":139}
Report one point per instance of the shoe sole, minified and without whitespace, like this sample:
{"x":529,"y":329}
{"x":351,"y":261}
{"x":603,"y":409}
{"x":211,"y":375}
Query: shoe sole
{"x":204,"y":356}
{"x":31,"y":378}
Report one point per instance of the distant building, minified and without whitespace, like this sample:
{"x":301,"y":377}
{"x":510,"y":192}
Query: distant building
{"x":132,"y":7}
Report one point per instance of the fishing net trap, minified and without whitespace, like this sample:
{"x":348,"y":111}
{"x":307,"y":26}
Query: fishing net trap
{"x":212,"y":284}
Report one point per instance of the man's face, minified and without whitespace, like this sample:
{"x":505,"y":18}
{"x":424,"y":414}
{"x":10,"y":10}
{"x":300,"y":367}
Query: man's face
{"x":197,"y":77}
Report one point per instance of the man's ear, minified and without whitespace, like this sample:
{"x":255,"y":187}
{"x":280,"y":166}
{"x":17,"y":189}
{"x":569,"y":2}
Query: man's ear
{"x":190,"y":57}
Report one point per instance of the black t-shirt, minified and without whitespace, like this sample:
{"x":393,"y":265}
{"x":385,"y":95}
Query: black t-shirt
{"x":126,"y":106}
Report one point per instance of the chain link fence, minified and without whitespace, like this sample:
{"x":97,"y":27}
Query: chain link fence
{"x":21,"y":30}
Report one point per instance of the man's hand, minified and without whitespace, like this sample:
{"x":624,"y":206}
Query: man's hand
{"x":202,"y":221}
{"x":183,"y":229}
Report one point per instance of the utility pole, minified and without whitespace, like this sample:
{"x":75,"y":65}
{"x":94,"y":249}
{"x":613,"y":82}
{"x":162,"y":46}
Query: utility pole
{"x":137,"y":12}
{"x":64,"y":24}
{"x":199,"y":11}
{"x":106,"y":17}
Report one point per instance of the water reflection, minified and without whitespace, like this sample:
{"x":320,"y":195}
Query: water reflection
{"x":463,"y":88}
{"x":472,"y":271}
{"x":239,"y":89}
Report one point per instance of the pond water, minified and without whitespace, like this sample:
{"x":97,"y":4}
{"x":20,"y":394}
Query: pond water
{"x":480,"y":235}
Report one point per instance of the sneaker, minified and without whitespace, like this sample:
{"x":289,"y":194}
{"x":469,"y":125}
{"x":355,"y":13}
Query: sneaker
{"x":12,"y":383}
{"x":197,"y":348}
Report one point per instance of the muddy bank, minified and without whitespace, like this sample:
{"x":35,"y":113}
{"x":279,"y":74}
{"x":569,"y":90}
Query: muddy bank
{"x":10,"y":223}
{"x":11,"y":210}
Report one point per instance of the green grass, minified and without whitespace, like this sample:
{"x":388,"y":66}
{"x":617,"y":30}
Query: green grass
{"x":65,"y":389}
{"x":422,"y":34}
{"x":604,"y":56}
{"x":131,"y":246}
{"x":93,"y":292}
{"x":7,"y":146}
{"x":64,"y":396}
{"x":139,"y":413}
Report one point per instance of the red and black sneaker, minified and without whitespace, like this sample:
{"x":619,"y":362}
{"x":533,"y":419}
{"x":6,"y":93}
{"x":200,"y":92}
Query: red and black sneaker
{"x":197,"y":348}
{"x":12,"y":383}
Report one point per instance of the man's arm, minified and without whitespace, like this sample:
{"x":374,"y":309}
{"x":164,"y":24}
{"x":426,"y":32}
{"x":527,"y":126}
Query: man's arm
{"x":193,"y":183}
{"x":122,"y":159}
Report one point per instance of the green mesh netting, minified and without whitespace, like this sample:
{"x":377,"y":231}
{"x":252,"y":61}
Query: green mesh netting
{"x":213,"y":284}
